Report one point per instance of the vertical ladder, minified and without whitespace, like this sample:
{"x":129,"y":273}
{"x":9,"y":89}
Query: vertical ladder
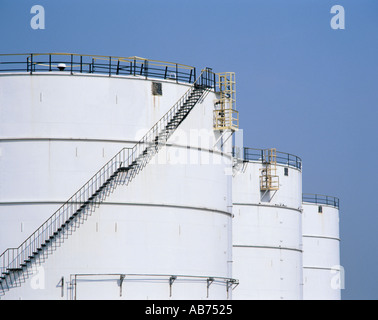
{"x":269,"y":180}
{"x":225,"y":115}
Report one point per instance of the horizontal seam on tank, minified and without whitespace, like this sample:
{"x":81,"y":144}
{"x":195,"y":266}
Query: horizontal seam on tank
{"x":321,"y":237}
{"x":169,"y":206}
{"x":321,"y":268}
{"x":67,"y":140}
{"x":266,"y":205}
{"x":101,"y":76}
{"x":111,"y":141}
{"x":267,"y":247}
{"x":119,"y":204}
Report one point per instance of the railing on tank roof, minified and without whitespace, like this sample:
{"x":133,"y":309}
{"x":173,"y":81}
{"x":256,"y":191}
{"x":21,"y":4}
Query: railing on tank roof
{"x":252,"y":154}
{"x":106,"y":65}
{"x":321,"y":199}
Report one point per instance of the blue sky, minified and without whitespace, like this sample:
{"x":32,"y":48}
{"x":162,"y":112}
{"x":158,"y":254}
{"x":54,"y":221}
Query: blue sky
{"x":302,"y":87}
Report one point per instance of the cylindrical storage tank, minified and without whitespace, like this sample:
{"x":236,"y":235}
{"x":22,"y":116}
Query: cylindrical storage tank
{"x":267,"y":228}
{"x":166,"y":235}
{"x":322,"y":273}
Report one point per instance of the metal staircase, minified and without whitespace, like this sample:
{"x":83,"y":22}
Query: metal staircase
{"x":16,"y":264}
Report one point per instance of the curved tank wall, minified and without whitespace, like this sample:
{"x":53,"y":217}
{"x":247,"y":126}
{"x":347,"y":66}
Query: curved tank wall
{"x":323,"y":276}
{"x":267,"y":229}
{"x":174,"y":219}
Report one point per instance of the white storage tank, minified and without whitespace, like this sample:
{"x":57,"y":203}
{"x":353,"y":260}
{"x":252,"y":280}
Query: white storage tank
{"x":267,"y":225}
{"x":323,"y":275}
{"x":166,"y":235}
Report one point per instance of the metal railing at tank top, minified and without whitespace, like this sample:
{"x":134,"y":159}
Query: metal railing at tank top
{"x":252,"y":154}
{"x":321,"y":200}
{"x":105,"y":65}
{"x":13,"y":258}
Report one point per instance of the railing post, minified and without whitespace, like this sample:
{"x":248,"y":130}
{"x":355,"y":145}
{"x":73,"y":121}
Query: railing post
{"x":177,"y":73}
{"x":31,"y":64}
{"x":71,"y":63}
{"x":81,"y":64}
{"x":49,"y":62}
{"x":110,"y":66}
